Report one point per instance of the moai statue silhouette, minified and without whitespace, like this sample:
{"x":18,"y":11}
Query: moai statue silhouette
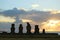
{"x":20,"y":29}
{"x":43,"y":31}
{"x":13,"y":28}
{"x":36,"y":29}
{"x":28,"y":28}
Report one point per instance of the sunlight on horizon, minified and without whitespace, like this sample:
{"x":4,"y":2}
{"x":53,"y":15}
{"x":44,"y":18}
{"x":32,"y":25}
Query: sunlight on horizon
{"x":55,"y":11}
{"x":51,"y":25}
{"x":26,"y":20}
{"x":6,"y":19}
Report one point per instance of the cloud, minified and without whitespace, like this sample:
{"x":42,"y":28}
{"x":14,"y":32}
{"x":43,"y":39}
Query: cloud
{"x":47,"y":9}
{"x":35,"y":6}
{"x":51,"y":25}
{"x":25,"y":9}
{"x":13,"y":12}
{"x":32,"y":16}
{"x":26,"y":20}
{"x":55,"y":11}
{"x":1,"y":10}
{"x":39,"y":17}
{"x":52,"y":11}
{"x":6,"y":19}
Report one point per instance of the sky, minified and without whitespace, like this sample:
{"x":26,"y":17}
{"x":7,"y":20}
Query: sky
{"x":44,"y":13}
{"x":30,"y":4}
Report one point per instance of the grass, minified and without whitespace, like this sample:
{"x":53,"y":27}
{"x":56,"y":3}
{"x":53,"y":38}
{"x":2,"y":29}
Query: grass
{"x":29,"y":37}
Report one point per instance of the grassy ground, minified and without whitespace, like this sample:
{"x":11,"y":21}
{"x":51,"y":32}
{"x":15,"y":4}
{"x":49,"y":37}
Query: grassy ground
{"x":29,"y":37}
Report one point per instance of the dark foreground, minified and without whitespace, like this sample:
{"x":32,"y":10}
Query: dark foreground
{"x":30,"y":37}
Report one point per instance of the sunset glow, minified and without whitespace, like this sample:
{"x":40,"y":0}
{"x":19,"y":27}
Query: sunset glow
{"x":44,"y":13}
{"x":6,"y":19}
{"x":52,"y":22}
{"x":26,"y":20}
{"x":51,"y":25}
{"x":55,"y":11}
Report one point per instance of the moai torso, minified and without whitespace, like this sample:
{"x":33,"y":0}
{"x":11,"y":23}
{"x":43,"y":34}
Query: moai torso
{"x":28,"y":27}
{"x":36,"y":29}
{"x":20,"y":29}
{"x":13,"y":28}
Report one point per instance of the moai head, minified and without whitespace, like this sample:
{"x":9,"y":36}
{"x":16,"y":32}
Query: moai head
{"x":43,"y":31}
{"x":28,"y":24}
{"x":28,"y":27}
{"x":13,"y":28}
{"x":36,"y":26}
{"x":36,"y":29}
{"x":20,"y":26}
{"x":20,"y":29}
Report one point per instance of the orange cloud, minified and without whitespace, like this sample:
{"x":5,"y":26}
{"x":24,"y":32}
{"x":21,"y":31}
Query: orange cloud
{"x":54,"y":11}
{"x":51,"y":25}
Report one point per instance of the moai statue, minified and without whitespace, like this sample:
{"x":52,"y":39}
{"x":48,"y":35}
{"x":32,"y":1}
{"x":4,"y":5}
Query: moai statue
{"x":13,"y":28}
{"x":28,"y":28}
{"x":43,"y":31}
{"x":20,"y":29}
{"x":36,"y":29}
